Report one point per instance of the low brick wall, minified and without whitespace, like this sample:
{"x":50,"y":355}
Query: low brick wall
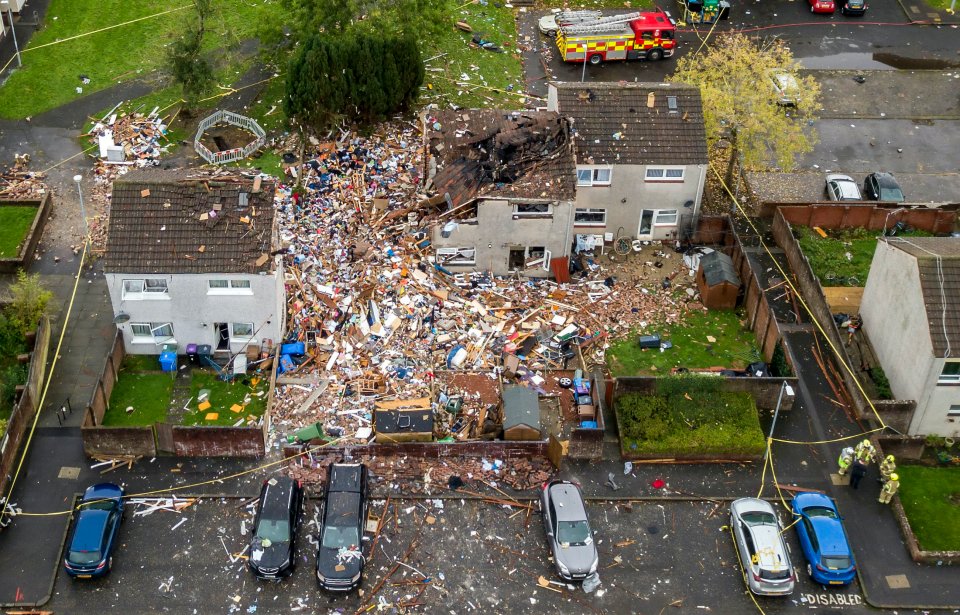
{"x":32,"y":240}
{"x":896,"y":413}
{"x":109,"y":441}
{"x":490,"y":449}
{"x":764,"y":391}
{"x":902,"y":447}
{"x":218,"y":441}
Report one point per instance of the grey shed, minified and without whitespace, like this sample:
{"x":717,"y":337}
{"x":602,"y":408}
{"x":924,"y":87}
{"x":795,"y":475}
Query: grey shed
{"x":521,"y":413}
{"x":718,"y":281}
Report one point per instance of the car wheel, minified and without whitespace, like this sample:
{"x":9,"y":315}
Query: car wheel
{"x":595,"y":59}
{"x":655,"y":55}
{"x":565,"y":383}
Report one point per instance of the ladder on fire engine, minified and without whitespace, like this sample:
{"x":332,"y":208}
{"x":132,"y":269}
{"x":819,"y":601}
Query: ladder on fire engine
{"x":577,"y":17}
{"x":601,"y":25}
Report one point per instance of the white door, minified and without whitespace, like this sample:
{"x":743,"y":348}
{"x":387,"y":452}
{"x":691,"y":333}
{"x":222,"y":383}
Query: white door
{"x":646,"y":224}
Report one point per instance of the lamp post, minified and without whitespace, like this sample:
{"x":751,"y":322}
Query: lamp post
{"x":5,"y":4}
{"x":83,"y":212}
{"x":784,"y":388}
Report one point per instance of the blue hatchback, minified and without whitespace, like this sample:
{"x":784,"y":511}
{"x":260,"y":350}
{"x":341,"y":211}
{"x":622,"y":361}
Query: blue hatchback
{"x":823,"y":539}
{"x":90,"y":548}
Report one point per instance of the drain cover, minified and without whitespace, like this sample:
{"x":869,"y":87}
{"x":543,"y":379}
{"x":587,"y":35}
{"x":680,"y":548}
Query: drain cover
{"x":69,"y":473}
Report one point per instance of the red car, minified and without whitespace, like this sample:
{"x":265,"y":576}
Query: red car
{"x":822,"y":6}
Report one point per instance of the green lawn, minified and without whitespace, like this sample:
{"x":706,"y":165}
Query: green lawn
{"x":485,"y":71}
{"x":843,"y":258}
{"x":15,"y":221}
{"x":223,"y":395}
{"x":931,"y":499}
{"x":50,"y":75}
{"x":147,"y":393}
{"x":689,"y":415}
{"x":734,"y":347}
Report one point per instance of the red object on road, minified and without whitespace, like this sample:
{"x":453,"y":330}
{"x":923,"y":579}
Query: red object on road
{"x":822,"y":6}
{"x":658,"y":483}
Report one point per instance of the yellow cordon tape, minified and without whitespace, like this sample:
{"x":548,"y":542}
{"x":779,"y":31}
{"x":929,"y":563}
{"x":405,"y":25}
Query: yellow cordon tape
{"x":746,"y":582}
{"x":799,"y":296}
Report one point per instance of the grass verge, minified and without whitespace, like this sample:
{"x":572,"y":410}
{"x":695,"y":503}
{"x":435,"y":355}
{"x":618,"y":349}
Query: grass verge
{"x":15,"y":221}
{"x":147,"y":393}
{"x":252,"y":397}
{"x":843,"y":258}
{"x":733,"y":348}
{"x":931,"y":499}
{"x":689,"y":415}
{"x":51,"y":75}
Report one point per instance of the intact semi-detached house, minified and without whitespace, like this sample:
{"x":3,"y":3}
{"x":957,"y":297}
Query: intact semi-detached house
{"x":641,"y":157}
{"x":506,"y":182}
{"x":191,"y":259}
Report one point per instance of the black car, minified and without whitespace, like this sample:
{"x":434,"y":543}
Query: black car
{"x":94,"y":539}
{"x":882,"y":187}
{"x":273,"y":547}
{"x":340,"y":559}
{"x":853,"y":7}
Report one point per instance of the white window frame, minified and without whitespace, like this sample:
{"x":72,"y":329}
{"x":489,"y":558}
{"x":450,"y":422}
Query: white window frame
{"x":154,"y":337}
{"x":954,"y":410}
{"x":665,"y":174}
{"x":674,"y":214}
{"x":589,"y":211}
{"x":595,"y":176}
{"x":949,"y":379}
{"x":463,"y":254}
{"x":238,"y":337}
{"x":532,"y":214}
{"x":233,"y":287}
{"x":145,"y":288}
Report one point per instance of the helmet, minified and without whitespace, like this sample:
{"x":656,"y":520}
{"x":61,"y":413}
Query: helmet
{"x":865,"y":443}
{"x":890,"y":458}
{"x":894,"y":477}
{"x":847,"y":451}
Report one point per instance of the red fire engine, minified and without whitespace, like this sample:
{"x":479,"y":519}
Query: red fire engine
{"x":647,"y":35}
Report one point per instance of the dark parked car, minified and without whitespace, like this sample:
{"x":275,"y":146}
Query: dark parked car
{"x":340,"y":558}
{"x":273,"y":548}
{"x":882,"y":187}
{"x":568,"y":530}
{"x":90,"y":548}
{"x":853,"y":7}
{"x":823,"y":539}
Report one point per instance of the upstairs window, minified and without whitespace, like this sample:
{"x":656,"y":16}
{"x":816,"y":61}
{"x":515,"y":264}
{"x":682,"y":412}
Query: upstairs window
{"x":664,"y":174}
{"x":594,"y":176}
{"x":145,"y":289}
{"x":228,"y":287}
{"x":531,"y":210}
{"x":950,"y":373}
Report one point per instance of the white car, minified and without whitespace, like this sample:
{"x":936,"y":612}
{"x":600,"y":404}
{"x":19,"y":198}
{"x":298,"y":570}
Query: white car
{"x":842,"y":188}
{"x":763,"y":553}
{"x":785,"y":87}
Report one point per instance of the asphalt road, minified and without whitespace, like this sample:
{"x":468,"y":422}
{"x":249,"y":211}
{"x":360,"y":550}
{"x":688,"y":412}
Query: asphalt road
{"x":480,"y":557}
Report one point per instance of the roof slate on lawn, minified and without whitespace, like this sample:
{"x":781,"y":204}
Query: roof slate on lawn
{"x":633,"y":123}
{"x":156,"y":226}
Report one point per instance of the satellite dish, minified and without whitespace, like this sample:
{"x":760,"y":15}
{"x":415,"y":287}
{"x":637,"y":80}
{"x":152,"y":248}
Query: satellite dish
{"x":121,"y":318}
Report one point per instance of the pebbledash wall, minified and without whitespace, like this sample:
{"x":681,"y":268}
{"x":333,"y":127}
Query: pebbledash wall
{"x":193,"y":308}
{"x":149,"y":440}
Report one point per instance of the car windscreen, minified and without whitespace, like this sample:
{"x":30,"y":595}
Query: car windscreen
{"x":99,"y":504}
{"x":758,"y":517}
{"x":573,"y":532}
{"x":890,"y":194}
{"x":84,"y":557}
{"x":835,"y":562}
{"x":336,"y":537}
{"x":274,"y":530}
{"x":820,"y":511}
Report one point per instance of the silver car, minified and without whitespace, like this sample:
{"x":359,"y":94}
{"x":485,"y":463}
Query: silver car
{"x":759,"y":541}
{"x":842,"y":188}
{"x":785,"y":88}
{"x":568,"y":530}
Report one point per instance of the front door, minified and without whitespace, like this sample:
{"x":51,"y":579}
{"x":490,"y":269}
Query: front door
{"x":646,"y":224}
{"x":223,"y":335}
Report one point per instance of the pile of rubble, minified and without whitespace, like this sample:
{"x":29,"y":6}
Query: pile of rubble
{"x":380,"y":320}
{"x":137,"y":139}
{"x":20,"y":183}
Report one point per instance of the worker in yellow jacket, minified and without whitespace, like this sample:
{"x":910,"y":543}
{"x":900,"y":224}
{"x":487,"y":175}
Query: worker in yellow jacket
{"x":889,"y":488}
{"x":887,"y":467}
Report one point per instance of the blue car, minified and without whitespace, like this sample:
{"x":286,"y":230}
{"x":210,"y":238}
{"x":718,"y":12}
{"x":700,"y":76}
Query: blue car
{"x":90,"y":548}
{"x":823,"y":539}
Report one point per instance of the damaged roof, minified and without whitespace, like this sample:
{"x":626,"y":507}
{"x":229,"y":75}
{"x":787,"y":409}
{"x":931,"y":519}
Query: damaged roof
{"x":938,"y":261}
{"x":505,"y":154}
{"x":188,"y":221}
{"x":634,"y":123}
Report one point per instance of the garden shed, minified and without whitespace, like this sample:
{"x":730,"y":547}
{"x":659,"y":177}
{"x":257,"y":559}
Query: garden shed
{"x":717,"y":281}
{"x":521,"y":414}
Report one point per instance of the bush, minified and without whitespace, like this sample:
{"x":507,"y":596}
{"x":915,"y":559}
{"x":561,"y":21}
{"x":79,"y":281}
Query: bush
{"x":689,"y":415}
{"x":30,"y":302}
{"x":880,"y":380}
{"x":11,"y":376}
{"x":779,"y":366}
